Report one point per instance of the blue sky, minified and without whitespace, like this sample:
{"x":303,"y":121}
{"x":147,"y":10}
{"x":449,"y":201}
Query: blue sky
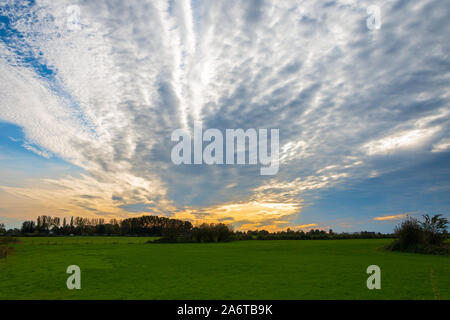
{"x":417,"y":190}
{"x":91,"y":92}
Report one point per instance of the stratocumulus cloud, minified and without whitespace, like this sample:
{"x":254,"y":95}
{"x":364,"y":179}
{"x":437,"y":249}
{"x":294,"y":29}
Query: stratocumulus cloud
{"x":104,"y":89}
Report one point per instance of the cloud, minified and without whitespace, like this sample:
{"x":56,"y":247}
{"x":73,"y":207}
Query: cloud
{"x":106,"y":97}
{"x":306,"y":226}
{"x":442,"y":145}
{"x":44,"y":154}
{"x":399,"y":141}
{"x":243,"y":215}
{"x":393,"y":217}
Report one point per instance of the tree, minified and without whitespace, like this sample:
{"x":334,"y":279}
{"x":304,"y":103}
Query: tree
{"x":2,"y":228}
{"x":434,"y":228}
{"x":212,"y":233}
{"x":28,"y":227}
{"x":44,"y":223}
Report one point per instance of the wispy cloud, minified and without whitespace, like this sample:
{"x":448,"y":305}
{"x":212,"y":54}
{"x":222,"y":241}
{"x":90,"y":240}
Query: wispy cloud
{"x":393,"y":217}
{"x":305,"y":226}
{"x":106,"y":96}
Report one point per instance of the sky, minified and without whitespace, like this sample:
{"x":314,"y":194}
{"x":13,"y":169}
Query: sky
{"x":91,"y":91}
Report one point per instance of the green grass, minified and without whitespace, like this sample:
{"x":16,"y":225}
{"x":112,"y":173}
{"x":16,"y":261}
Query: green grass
{"x":128,"y":268}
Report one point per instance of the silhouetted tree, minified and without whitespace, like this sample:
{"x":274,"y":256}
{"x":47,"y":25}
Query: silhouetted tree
{"x":28,"y":227}
{"x":434,"y":229}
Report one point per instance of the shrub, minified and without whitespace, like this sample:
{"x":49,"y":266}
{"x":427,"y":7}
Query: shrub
{"x":427,"y":236}
{"x":409,"y":234}
{"x":4,"y":250}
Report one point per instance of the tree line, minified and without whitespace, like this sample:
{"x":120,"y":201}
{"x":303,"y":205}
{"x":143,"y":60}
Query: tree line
{"x":167,"y":229}
{"x":170,"y":230}
{"x":312,"y":234}
{"x":144,"y":225}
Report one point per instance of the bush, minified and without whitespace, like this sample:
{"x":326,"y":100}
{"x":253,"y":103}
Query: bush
{"x":4,"y":250}
{"x":426,"y":236}
{"x":409,"y":234}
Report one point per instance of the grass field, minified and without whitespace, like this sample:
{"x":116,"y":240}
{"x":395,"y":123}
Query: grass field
{"x":128,"y":268}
